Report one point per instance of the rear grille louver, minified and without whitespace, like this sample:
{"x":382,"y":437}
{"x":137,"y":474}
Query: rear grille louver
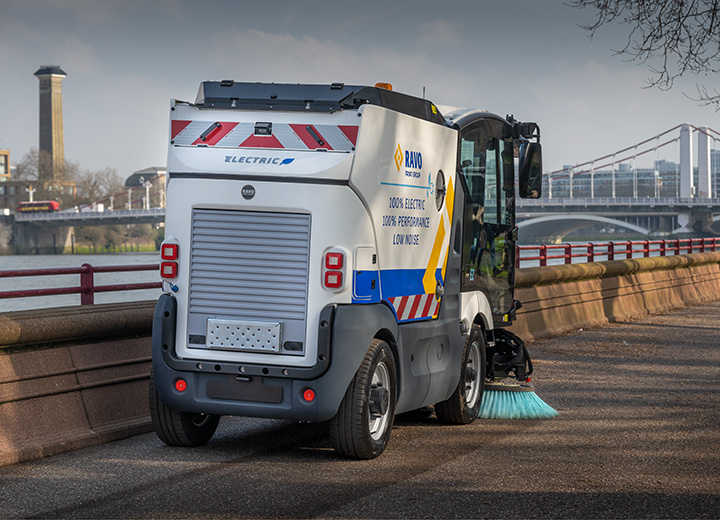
{"x":249,"y":266}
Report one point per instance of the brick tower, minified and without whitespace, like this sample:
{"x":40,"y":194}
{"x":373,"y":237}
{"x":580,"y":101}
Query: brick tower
{"x":52,"y":154}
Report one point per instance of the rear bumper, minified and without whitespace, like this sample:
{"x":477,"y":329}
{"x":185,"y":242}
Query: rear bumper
{"x":344,"y":334}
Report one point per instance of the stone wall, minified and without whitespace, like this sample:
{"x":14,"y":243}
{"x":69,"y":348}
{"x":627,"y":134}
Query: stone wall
{"x":564,"y":298}
{"x":72,"y":377}
{"x":77,"y":376}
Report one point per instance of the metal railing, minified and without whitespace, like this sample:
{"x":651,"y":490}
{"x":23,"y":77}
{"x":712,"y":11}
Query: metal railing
{"x":87,"y":215}
{"x":594,"y":252}
{"x":554,"y":253}
{"x":87,"y":287}
{"x":620,"y":201}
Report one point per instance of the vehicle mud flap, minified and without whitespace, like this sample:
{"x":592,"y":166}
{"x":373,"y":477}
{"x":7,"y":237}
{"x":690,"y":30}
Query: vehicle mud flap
{"x":163,"y":340}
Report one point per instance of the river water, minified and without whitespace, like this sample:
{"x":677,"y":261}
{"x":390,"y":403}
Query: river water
{"x":46,"y":261}
{"x":10,"y":262}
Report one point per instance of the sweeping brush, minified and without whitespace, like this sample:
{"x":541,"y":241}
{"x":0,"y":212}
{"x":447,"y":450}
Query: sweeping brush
{"x":502,"y":400}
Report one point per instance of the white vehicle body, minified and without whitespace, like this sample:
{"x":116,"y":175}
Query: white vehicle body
{"x":303,"y":225}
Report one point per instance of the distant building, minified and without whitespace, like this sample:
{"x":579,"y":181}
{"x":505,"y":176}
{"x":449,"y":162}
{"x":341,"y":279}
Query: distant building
{"x":4,"y":165}
{"x":14,"y":192}
{"x":715,"y":171}
{"x":11,"y":192}
{"x":52,"y":146}
{"x":51,"y":157}
{"x":147,"y":174}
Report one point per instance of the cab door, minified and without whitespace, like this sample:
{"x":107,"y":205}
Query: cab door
{"x":487,"y":171}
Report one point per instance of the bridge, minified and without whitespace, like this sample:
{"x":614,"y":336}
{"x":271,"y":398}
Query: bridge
{"x":649,"y":216}
{"x":657,"y":187}
{"x":93,"y":218}
{"x":50,"y":232}
{"x":667,"y":185}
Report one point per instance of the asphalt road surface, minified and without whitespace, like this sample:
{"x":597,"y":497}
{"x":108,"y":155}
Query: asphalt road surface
{"x":638,"y":436}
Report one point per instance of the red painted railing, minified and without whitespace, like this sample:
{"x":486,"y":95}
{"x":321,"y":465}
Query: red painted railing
{"x":87,"y":287}
{"x":595,"y":252}
{"x":560,"y":253}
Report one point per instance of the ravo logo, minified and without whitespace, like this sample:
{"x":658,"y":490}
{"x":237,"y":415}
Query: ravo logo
{"x":413,"y":160}
{"x":409,"y":161}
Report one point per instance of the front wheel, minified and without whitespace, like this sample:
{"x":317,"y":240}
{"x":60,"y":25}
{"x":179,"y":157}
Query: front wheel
{"x":361,"y":428}
{"x":180,"y":428}
{"x":463,"y":405}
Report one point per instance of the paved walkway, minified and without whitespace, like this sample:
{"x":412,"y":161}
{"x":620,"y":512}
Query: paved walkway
{"x":638,"y":436}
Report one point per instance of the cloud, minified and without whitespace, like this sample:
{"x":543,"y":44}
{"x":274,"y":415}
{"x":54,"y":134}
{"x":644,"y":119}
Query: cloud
{"x":439,"y":33}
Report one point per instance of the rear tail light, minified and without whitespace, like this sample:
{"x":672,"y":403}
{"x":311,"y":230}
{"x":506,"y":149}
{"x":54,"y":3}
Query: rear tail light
{"x":334,"y":260}
{"x":333,"y":273}
{"x":333,"y":279}
{"x":168,"y":269}
{"x":170,"y":254}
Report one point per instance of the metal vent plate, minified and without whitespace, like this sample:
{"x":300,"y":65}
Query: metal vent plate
{"x":244,"y":335}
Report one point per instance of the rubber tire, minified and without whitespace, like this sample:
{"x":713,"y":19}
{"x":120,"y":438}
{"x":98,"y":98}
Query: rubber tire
{"x":175,"y":428}
{"x":350,"y":427}
{"x":456,"y":409}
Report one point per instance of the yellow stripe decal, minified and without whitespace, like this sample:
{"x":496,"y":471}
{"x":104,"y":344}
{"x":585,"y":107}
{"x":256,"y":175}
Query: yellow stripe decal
{"x":429,"y":281}
{"x":449,"y":201}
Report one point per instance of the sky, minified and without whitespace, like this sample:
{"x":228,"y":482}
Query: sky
{"x":126,"y":59}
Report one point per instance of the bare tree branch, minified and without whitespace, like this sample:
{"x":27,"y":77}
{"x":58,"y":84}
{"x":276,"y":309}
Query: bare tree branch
{"x":674,"y":38}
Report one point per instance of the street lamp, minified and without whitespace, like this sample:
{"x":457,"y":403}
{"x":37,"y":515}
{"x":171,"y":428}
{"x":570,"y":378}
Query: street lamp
{"x":147,"y":185}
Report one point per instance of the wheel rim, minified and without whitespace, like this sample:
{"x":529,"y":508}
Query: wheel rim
{"x":378,"y":422}
{"x":473,"y":384}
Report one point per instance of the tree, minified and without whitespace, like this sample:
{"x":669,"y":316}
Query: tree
{"x":675,"y":38}
{"x":95,"y":185}
{"x":29,"y":169}
{"x":91,"y":185}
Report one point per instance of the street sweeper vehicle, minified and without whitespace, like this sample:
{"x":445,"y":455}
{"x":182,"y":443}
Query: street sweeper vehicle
{"x":335,"y":253}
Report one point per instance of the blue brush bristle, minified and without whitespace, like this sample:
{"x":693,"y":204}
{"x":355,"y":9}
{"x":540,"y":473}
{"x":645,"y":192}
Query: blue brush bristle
{"x":499,"y":404}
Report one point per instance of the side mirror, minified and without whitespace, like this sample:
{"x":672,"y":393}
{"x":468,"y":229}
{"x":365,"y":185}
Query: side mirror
{"x":530,"y":170}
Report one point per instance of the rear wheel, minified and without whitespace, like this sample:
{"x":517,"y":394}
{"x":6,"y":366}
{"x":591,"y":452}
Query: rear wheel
{"x":180,"y":428}
{"x":463,"y":405}
{"x":361,"y":428}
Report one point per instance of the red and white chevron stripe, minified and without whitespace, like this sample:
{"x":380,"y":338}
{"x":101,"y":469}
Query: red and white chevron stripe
{"x":284,"y":135}
{"x":415,"y":306}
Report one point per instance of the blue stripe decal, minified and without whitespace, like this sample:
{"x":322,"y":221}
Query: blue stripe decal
{"x":403,"y":282}
{"x":394,"y":283}
{"x":366,"y":287}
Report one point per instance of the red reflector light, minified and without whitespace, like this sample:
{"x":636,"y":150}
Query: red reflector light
{"x":180,"y":385}
{"x":333,"y":279}
{"x":309,"y":395}
{"x":169,"y":252}
{"x":334,"y":260}
{"x":168,"y":269}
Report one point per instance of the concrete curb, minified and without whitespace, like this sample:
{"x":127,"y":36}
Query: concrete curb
{"x":71,"y":323}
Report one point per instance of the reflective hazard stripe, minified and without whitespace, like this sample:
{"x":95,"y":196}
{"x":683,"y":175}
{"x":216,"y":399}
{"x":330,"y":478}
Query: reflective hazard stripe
{"x":284,"y":135}
{"x":414,"y":307}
